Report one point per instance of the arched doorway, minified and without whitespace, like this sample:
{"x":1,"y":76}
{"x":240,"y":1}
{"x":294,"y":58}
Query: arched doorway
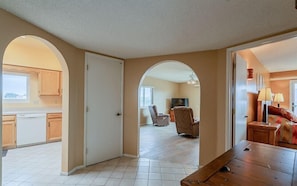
{"x":62,"y":100}
{"x":166,"y":80}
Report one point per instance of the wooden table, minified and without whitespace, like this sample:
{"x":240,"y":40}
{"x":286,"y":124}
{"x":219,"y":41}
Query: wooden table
{"x":262,"y":132}
{"x":250,"y":163}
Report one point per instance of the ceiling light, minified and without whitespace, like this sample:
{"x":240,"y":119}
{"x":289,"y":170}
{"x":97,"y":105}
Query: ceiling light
{"x":192,"y":80}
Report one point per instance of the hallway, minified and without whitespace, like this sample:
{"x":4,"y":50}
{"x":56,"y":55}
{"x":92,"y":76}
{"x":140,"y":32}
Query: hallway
{"x":40,"y":165}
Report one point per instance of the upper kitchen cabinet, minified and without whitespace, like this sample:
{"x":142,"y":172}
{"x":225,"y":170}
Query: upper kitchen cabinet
{"x":49,"y":83}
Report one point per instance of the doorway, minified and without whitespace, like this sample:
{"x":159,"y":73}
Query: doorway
{"x":32,"y":49}
{"x":167,"y":80}
{"x":103,"y":125}
{"x":259,"y":78}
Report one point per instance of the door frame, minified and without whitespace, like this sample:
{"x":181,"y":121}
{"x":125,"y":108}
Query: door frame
{"x":230,"y":83}
{"x":85,"y":104}
{"x":291,"y":96}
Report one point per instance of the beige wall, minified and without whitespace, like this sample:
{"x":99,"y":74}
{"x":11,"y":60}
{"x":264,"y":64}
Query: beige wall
{"x":30,"y":52}
{"x":252,"y":89}
{"x":209,"y":66}
{"x":73,"y":122}
{"x":280,"y":83}
{"x":163,"y":92}
{"x":193,"y":93}
{"x":205,"y":65}
{"x":259,"y":69}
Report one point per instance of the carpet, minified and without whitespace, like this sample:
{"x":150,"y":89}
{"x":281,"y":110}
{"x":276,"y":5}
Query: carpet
{"x":4,"y":152}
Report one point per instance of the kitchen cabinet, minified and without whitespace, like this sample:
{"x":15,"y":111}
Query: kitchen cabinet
{"x":49,"y":83}
{"x":8,"y":131}
{"x":54,"y":127}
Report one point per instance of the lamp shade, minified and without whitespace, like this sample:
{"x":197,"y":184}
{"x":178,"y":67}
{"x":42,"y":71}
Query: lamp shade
{"x":265,"y":94}
{"x":278,"y":97}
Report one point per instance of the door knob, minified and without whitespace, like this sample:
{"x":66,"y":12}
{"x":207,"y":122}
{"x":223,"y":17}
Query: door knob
{"x":119,"y":114}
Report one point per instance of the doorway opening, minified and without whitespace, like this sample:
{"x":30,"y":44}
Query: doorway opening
{"x":261,"y":79}
{"x":40,"y":101}
{"x":165,"y":81}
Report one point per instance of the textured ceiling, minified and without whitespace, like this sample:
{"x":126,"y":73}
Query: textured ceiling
{"x":141,"y":28}
{"x":278,"y":56}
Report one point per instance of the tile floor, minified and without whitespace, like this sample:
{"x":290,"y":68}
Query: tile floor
{"x":163,"y":143}
{"x":40,"y":166}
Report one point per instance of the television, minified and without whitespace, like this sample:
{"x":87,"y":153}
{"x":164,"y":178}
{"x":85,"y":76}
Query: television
{"x":179,"y":102}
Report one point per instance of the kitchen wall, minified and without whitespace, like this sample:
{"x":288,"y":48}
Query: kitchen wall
{"x":29,"y":52}
{"x":72,"y":60}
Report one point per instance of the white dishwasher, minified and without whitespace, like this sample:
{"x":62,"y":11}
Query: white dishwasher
{"x":31,"y":129}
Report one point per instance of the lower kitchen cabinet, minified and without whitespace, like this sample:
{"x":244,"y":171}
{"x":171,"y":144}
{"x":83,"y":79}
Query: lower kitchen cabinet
{"x":54,"y":127}
{"x":8,"y":131}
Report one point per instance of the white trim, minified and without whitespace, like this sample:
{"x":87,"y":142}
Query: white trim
{"x":292,"y":82}
{"x":228,"y":127}
{"x":130,"y":156}
{"x":229,"y":75}
{"x":85,"y":112}
{"x":72,"y":171}
{"x":28,"y":86}
{"x":283,"y":78}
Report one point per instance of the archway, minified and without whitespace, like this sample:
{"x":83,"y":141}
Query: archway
{"x":167,"y":79}
{"x":65,"y":82}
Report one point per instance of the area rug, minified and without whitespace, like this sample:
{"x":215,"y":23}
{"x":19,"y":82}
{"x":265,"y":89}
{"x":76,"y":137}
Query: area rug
{"x":4,"y":152}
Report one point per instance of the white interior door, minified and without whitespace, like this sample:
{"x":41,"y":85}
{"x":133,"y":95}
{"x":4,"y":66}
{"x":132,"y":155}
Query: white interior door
{"x":103,"y":108}
{"x":294,"y":96}
{"x":240,"y":100}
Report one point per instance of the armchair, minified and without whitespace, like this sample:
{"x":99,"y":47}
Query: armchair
{"x":158,"y":118}
{"x":185,"y":122}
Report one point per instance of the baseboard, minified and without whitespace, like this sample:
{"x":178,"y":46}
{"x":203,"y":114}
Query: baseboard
{"x":130,"y":156}
{"x":72,"y":171}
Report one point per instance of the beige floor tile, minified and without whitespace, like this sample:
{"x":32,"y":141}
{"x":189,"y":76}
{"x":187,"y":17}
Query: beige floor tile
{"x":40,"y":165}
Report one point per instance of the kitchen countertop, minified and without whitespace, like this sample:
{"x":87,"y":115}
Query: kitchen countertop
{"x":8,"y":111}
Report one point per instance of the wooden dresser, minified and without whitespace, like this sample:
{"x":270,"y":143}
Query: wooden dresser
{"x":250,"y":163}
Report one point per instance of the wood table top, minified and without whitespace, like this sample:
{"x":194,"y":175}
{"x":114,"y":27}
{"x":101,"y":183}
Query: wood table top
{"x":249,"y":163}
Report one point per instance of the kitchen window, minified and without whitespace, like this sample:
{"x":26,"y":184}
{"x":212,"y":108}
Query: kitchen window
{"x":146,"y":96}
{"x":15,"y":87}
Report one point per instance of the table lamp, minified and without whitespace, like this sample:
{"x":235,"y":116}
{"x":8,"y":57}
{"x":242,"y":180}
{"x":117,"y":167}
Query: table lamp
{"x":278,"y":97}
{"x":265,"y":95}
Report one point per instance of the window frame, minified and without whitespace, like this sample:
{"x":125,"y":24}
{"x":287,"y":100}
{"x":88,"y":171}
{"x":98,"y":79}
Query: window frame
{"x":27,"y":100}
{"x":142,"y":98}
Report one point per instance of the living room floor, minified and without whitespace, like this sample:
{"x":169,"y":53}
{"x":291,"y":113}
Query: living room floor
{"x":163,"y":143}
{"x":165,"y":160}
